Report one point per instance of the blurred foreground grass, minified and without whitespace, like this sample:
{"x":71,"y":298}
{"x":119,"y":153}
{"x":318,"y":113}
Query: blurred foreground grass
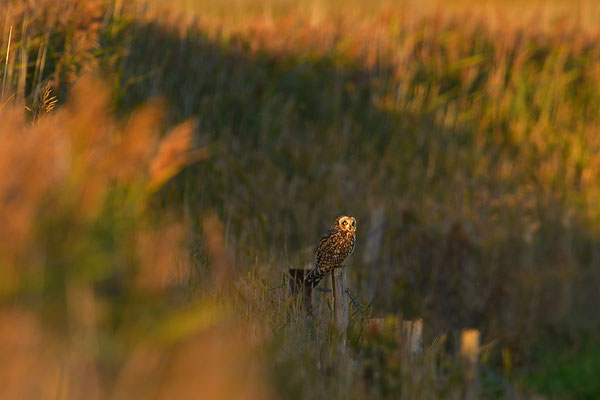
{"x":472,"y":129}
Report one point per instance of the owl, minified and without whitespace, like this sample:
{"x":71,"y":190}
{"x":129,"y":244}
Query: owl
{"x":333,"y":248}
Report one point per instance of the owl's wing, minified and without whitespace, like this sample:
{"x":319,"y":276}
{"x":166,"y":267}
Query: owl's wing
{"x":353,"y":245}
{"x":325,"y":245}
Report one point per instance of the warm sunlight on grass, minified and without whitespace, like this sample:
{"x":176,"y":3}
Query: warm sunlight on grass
{"x":161,"y":167}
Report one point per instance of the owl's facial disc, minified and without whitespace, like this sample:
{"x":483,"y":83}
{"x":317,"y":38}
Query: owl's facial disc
{"x":347,"y":224}
{"x":351,"y":224}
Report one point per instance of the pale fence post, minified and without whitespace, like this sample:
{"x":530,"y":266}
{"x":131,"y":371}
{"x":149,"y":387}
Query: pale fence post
{"x":469,"y":352}
{"x":416,"y":338}
{"x":412,"y":337}
{"x":339,"y":284}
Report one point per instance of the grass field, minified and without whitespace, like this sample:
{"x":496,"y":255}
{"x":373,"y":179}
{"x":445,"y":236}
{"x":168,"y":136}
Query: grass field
{"x":162,"y":167}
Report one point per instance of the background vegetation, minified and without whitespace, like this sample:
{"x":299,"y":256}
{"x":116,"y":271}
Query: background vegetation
{"x":161,"y":168}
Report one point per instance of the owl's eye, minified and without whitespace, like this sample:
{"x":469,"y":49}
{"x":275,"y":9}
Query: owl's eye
{"x":345,"y":223}
{"x":354,"y":224}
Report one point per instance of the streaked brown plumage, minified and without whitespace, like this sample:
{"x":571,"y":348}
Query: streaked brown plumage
{"x":333,"y":248}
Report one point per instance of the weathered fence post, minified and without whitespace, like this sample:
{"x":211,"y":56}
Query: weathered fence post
{"x":416,"y":338}
{"x":469,"y":351}
{"x":412,"y":337}
{"x":339,"y":302}
{"x":339,"y":284}
{"x":296,"y":280}
{"x":297,"y":286}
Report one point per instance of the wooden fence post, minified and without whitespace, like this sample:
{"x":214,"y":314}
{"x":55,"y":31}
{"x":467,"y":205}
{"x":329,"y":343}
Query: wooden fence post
{"x":339,"y":284}
{"x":412,"y":337}
{"x":297,"y":286}
{"x":469,"y":351}
{"x":416,"y":338}
{"x":296,"y":280}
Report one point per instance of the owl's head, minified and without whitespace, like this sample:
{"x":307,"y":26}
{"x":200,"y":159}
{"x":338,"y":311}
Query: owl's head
{"x":347,"y":224}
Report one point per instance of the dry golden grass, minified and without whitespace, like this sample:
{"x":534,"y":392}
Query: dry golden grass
{"x":73,"y":158}
{"x":74,"y":190}
{"x":474,"y":126}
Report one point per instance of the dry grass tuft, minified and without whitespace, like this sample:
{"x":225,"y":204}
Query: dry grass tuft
{"x":74,"y":236}
{"x":173,"y":154}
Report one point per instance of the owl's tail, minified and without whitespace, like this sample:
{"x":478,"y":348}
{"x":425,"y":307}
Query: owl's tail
{"x":315,"y":276}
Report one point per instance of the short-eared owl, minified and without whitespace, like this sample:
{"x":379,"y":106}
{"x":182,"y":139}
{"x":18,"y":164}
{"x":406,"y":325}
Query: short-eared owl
{"x":333,"y":248}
